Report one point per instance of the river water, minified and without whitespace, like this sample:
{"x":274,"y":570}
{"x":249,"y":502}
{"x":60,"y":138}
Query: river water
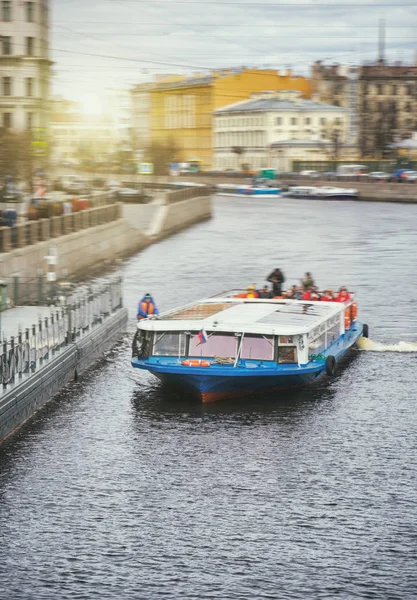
{"x":123,"y":490}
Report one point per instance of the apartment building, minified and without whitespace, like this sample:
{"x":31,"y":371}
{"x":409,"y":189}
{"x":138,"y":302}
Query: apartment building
{"x":25,"y":67}
{"x":274,"y":128}
{"x":182,"y":107}
{"x":381,"y":99}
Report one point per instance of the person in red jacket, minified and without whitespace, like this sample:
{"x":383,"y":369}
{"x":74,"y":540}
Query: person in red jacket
{"x":328,"y":296}
{"x":343,"y":295}
{"x":306,"y":295}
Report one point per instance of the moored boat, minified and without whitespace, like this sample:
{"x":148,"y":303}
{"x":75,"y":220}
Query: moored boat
{"x":231,"y":346}
{"x":227,"y":189}
{"x":321,"y":193}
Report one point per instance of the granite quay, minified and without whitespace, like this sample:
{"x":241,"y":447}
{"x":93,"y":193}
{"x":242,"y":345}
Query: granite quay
{"x":43,"y":357}
{"x":95,"y":238}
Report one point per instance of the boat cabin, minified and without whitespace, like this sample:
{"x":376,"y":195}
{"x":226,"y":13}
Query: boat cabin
{"x":243,"y":332}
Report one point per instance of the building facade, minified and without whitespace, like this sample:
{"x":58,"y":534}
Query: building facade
{"x":182,"y":109}
{"x":78,"y":138}
{"x":118,"y":110}
{"x":384,"y":98}
{"x":141,"y":114}
{"x":273,"y":129}
{"x":24,"y":65}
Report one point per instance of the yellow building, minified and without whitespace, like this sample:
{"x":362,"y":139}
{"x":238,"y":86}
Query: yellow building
{"x":182,"y":108}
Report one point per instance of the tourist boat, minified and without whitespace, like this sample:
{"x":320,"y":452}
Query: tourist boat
{"x":231,"y":346}
{"x":321,"y":193}
{"x":228,"y":189}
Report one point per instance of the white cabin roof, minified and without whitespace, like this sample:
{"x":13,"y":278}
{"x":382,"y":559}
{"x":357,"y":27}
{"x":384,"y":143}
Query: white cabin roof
{"x":244,"y":315}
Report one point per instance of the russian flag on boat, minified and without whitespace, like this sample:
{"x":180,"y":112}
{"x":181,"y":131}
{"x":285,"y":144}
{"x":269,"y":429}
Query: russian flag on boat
{"x":202,"y":336}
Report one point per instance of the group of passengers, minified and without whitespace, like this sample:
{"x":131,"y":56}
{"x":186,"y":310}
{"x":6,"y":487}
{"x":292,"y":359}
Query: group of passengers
{"x":306,"y":291}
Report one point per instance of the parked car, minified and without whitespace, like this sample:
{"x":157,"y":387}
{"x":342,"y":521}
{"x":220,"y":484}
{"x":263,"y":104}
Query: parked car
{"x":410,"y":176}
{"x":379,"y":176}
{"x":309,"y":174}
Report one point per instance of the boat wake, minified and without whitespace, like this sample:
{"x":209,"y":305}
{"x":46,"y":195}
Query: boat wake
{"x":370,"y":346}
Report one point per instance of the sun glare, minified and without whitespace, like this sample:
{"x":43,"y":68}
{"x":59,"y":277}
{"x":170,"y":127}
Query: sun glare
{"x":91,"y":104}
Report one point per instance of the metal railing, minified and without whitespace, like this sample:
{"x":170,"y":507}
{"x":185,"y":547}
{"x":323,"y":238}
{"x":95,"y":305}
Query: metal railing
{"x":187,"y":193}
{"x":32,"y":232}
{"x":84,"y":310}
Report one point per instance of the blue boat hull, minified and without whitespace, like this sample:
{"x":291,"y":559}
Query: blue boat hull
{"x":218,"y":382}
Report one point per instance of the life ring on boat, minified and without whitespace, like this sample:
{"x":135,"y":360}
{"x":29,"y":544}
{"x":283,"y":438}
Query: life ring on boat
{"x":354,"y":311}
{"x":347,"y":318}
{"x":365,"y":331}
{"x":196,"y":363}
{"x":331,"y":366}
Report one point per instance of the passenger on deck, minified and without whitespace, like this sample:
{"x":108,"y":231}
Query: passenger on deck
{"x":308,"y":281}
{"x":328,"y":296}
{"x":265,"y":292}
{"x":147,"y":308}
{"x":277,"y":279}
{"x":315,"y":294}
{"x":299,"y":293}
{"x":306,"y":295}
{"x":292,"y":293}
{"x":343,"y":295}
{"x":251,"y":292}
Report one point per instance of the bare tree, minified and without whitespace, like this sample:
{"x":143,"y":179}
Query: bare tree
{"x":161,"y":155}
{"x":239,"y":151}
{"x":16,"y":157}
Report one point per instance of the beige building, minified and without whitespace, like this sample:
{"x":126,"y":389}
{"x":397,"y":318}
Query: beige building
{"x":381,"y":100}
{"x":24,"y":64}
{"x":76,"y":138}
{"x":275,"y":128}
{"x":140,"y":101}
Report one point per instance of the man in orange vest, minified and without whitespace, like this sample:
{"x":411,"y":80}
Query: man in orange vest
{"x":147,"y":307}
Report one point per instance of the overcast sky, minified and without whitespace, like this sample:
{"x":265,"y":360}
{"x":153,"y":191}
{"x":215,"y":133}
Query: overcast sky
{"x":117,"y":43}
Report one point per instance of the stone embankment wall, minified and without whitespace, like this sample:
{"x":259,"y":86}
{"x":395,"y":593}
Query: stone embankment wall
{"x":29,"y":395}
{"x":96,"y":244}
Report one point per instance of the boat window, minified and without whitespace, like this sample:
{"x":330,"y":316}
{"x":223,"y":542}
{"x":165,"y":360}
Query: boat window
{"x":141,"y":346}
{"x":333,"y":333}
{"x":287,"y":355}
{"x":217,"y":345}
{"x":285,"y":340}
{"x":169,"y":344}
{"x":258,"y":347}
{"x":318,"y":345}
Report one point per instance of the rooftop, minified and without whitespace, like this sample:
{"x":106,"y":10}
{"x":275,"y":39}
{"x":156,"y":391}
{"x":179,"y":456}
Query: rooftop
{"x":275,"y":103}
{"x":229,"y":314}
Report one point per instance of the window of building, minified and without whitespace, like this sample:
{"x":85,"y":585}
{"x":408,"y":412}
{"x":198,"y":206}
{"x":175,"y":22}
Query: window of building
{"x":7,"y":44}
{"x":29,"y":86}
{"x":7,"y":86}
{"x":307,"y":121}
{"x":278,"y":121}
{"x":379,"y":89}
{"x":29,"y":120}
{"x":293,"y":121}
{"x":30,"y":12}
{"x":7,"y":120}
{"x":323,"y":121}
{"x":30,"y":45}
{"x":6,"y":11}
{"x":394,"y":90}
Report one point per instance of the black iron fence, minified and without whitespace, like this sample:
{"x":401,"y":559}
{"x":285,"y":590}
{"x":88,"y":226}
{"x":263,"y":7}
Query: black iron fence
{"x":85,"y":309}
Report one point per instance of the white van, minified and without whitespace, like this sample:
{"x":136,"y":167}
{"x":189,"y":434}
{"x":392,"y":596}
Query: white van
{"x":351,"y":170}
